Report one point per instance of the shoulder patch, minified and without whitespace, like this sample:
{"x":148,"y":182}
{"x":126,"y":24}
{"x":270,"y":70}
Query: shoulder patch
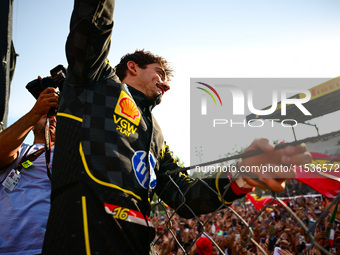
{"x":127,"y":108}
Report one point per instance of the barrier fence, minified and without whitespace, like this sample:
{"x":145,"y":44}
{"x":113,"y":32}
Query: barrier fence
{"x":302,"y":224}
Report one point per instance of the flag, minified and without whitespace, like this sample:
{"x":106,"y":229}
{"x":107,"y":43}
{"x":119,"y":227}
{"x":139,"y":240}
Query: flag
{"x":322,"y":163}
{"x":331,"y":231}
{"x":259,"y":203}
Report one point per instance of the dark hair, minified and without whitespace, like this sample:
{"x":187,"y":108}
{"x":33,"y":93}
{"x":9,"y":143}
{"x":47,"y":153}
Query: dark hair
{"x":142,"y":58}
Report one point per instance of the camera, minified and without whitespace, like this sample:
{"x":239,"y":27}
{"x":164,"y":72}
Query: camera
{"x":56,"y":80}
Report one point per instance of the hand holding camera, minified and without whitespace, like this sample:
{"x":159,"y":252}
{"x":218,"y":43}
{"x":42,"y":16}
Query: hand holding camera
{"x":46,"y":91}
{"x":48,"y":99}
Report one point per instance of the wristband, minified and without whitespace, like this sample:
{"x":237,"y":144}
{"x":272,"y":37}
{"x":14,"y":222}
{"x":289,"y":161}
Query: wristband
{"x":241,"y":183}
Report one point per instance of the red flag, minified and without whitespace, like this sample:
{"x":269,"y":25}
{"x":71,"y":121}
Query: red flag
{"x":324,"y":164}
{"x":259,"y":203}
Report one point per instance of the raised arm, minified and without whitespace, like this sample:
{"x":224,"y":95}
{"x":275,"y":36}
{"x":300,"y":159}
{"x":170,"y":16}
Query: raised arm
{"x":89,"y":41}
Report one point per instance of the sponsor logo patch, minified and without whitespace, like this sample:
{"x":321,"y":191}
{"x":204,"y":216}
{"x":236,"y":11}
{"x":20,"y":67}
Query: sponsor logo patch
{"x":127,"y":108}
{"x":124,"y":126}
{"x":144,"y":169}
{"x":129,"y":215}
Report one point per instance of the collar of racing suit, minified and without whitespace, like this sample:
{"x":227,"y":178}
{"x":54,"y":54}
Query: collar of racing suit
{"x":142,"y":100}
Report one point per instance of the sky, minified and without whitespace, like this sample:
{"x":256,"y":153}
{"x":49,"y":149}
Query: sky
{"x":201,"y":39}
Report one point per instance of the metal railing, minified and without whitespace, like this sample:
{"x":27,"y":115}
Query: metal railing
{"x":249,"y":235}
{"x":249,"y":241}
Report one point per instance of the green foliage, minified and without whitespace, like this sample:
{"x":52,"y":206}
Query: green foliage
{"x":180,"y":162}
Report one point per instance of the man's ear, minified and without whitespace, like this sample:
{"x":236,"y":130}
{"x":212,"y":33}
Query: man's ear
{"x":132,"y":67}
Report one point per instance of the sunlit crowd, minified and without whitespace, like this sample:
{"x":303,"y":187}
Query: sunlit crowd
{"x":276,"y":230}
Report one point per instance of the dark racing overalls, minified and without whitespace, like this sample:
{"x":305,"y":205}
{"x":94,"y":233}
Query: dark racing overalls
{"x":110,"y":155}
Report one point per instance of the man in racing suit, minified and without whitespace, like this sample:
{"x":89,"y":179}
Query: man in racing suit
{"x":110,"y":155}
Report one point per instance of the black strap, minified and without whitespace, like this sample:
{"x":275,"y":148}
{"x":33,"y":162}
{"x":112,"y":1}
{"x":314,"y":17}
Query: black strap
{"x":48,"y":148}
{"x":27,"y":160}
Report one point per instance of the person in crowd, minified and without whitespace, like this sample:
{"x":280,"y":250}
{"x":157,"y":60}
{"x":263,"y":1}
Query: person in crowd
{"x":326,"y":201}
{"x":25,"y":189}
{"x":288,"y":236}
{"x":203,"y":244}
{"x":111,"y":157}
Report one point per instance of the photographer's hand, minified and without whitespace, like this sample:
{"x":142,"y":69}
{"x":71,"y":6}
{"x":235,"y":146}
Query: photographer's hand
{"x":47,"y":99}
{"x":12,"y":137}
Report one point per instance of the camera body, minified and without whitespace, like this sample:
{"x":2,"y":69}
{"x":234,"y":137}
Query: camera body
{"x":56,"y":80}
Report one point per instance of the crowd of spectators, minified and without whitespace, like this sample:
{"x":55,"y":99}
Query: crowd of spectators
{"x":276,"y":230}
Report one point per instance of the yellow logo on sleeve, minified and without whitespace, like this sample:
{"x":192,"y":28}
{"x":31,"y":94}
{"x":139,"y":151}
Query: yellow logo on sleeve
{"x":127,"y":108}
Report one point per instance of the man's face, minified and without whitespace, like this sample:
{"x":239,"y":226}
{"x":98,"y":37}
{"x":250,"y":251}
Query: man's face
{"x":39,"y":128}
{"x":152,"y":81}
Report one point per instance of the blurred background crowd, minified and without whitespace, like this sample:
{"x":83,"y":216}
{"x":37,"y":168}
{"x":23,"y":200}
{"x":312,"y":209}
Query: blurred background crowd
{"x":276,"y":230}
